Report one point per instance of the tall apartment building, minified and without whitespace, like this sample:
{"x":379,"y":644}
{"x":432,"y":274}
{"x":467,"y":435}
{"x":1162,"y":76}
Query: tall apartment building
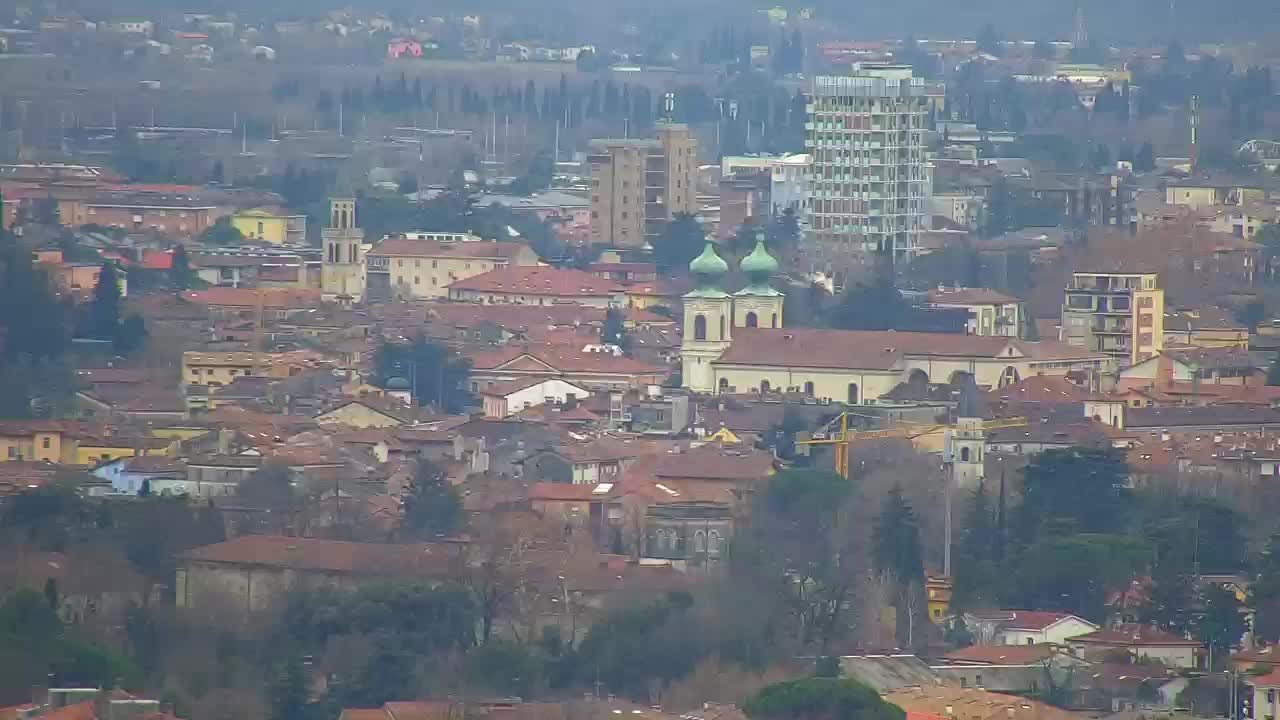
{"x":1117,"y":313}
{"x":870,"y":177}
{"x":638,"y":184}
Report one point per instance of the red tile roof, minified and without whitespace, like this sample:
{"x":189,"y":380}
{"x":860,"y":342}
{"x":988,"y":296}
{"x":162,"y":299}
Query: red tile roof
{"x":564,"y":492}
{"x":326,"y":555}
{"x":248,"y":297}
{"x":1270,"y":680}
{"x":1134,"y":635}
{"x":873,"y":349}
{"x":561,"y":359}
{"x":483,"y":250}
{"x":1045,"y":389}
{"x":1001,"y":654}
{"x":969,"y":296}
{"x":539,"y":280}
{"x":716,"y":462}
{"x":156,"y":259}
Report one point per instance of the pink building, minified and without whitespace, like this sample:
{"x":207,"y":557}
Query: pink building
{"x":401,"y":47}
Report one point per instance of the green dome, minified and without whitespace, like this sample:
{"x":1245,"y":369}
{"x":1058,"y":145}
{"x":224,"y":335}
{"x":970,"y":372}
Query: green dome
{"x":708,"y":263}
{"x":759,"y":264}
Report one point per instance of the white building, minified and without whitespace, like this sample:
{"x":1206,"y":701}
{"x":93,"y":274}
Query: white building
{"x":789,"y":178}
{"x":507,"y":399}
{"x":991,"y":313}
{"x":870,"y":176}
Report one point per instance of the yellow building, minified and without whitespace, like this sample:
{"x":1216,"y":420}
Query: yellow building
{"x":1202,"y":193}
{"x":41,"y":441}
{"x":425,"y":264}
{"x":272,"y":224}
{"x":92,"y":450}
{"x":216,"y":368}
{"x":938,"y":590}
{"x":1120,"y":314}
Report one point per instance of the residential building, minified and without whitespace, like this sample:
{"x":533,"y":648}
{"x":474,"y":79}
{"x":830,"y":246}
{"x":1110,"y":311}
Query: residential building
{"x":216,"y":368}
{"x":425,"y":267}
{"x":639,"y":184}
{"x":174,"y":214}
{"x":789,"y":178}
{"x":1025,"y":627}
{"x":537,"y":285}
{"x":961,"y":208}
{"x":1209,"y":327}
{"x":870,"y":177}
{"x":271,"y":224}
{"x":1141,"y":642}
{"x":990,"y":312}
{"x":593,"y":370}
{"x":343,"y":269}
{"x":1264,"y":690}
{"x":506,"y":399}
{"x":1202,"y":192}
{"x":1197,"y":367}
{"x":254,"y":571}
{"x":1120,"y":314}
{"x":40,"y":440}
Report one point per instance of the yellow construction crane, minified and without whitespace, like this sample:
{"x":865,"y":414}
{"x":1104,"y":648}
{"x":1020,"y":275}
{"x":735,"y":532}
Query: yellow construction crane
{"x":844,"y":437}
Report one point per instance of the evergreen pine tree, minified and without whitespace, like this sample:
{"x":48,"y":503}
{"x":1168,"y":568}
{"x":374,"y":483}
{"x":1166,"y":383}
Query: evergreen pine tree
{"x":104,"y":310}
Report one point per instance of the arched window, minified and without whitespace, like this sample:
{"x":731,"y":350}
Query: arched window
{"x":342,"y":216}
{"x":1009,"y":376}
{"x":724,"y":384}
{"x":700,"y":327}
{"x":721,"y":336}
{"x":853,"y":394}
{"x":808,"y":388}
{"x":964,"y":454}
{"x":351,"y":253}
{"x":774,"y":321}
{"x":752,"y":320}
{"x":713,"y":542}
{"x":699,"y":541}
{"x":764,"y":386}
{"x":333,"y":222}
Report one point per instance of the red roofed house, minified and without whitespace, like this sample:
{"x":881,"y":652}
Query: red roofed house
{"x":1025,"y":627}
{"x":1266,"y":689}
{"x":538,"y":285}
{"x":592,"y":370}
{"x":251,"y":572}
{"x":424,"y":265}
{"x":506,"y":399}
{"x":990,"y":312}
{"x":1140,"y":641}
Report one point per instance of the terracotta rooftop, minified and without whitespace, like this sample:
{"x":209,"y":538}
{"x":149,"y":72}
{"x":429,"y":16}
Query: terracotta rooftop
{"x":874,"y":349}
{"x":568,"y":492}
{"x":1134,"y":635}
{"x":276,"y":298}
{"x":555,"y":359}
{"x":539,"y":280}
{"x":713,"y":461}
{"x":513,"y":386}
{"x":1044,"y":389}
{"x":1000,"y":654}
{"x":483,"y":250}
{"x":969,"y":296}
{"x":326,"y":555}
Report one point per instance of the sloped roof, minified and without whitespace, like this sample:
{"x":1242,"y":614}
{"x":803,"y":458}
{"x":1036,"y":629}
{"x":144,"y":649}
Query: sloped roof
{"x":325,"y":555}
{"x":539,"y":280}
{"x":1001,"y":654}
{"x":1134,"y":635}
{"x":480,"y":250}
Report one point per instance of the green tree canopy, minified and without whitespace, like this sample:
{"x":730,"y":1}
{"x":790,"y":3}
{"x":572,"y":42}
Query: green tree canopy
{"x":432,"y":506}
{"x":820,"y":699}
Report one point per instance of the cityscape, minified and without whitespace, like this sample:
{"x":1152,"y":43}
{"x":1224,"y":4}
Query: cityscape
{"x":699,"y":361}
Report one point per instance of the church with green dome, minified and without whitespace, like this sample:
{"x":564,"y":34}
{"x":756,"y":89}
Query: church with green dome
{"x":711,"y":314}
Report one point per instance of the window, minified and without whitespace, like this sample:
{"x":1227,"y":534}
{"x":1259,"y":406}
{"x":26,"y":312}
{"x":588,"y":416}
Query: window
{"x":752,"y":320}
{"x":13,"y":452}
{"x":417,"y":280}
{"x":1031,"y":641}
{"x":808,"y":388}
{"x":713,"y":542}
{"x":724,"y":384}
{"x":764,"y":386}
{"x":964,"y":454}
{"x":721,"y":336}
{"x":773,"y":322}
{"x":852,"y":398}
{"x":435,"y":264}
{"x":417,"y":263}
{"x":699,"y":541}
{"x":700,"y":327}
{"x":44,"y":443}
